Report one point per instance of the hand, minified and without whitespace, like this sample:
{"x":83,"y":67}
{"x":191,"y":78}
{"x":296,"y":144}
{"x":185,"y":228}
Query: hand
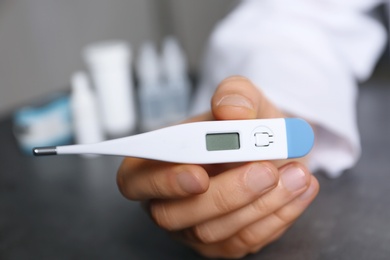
{"x":223,"y":210}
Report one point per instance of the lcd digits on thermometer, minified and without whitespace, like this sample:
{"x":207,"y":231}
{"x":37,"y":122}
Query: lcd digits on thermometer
{"x":207,"y":142}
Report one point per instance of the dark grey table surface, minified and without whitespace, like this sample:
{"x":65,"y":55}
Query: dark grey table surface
{"x":69,"y":207}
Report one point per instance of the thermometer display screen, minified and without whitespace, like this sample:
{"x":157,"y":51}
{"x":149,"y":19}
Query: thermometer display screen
{"x":222,"y":141}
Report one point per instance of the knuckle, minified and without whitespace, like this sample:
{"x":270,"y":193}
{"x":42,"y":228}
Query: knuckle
{"x":157,"y":190}
{"x":203,"y":234}
{"x":247,"y":238}
{"x":161,"y":217}
{"x":283,"y":217}
{"x":260,"y":206}
{"x":221,"y":203}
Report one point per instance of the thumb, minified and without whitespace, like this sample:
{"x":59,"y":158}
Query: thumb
{"x":238,"y":98}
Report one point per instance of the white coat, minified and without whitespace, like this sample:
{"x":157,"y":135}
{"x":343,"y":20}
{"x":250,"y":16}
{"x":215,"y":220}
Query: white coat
{"x":308,"y":57}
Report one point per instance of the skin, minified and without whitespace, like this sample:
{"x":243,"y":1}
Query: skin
{"x":224,"y":210}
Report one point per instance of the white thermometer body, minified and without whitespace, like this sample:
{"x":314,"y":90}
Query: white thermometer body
{"x":207,"y":142}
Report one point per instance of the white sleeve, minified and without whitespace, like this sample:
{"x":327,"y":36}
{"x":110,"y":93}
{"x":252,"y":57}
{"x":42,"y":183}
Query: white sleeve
{"x":307,"y":56}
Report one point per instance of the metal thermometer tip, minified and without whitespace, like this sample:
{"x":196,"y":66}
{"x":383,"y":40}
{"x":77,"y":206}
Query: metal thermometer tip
{"x":51,"y":150}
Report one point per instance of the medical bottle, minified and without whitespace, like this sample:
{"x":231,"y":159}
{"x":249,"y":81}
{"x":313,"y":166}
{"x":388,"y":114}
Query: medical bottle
{"x":150,"y":92}
{"x":110,"y":66}
{"x":86,"y":123}
{"x":177,"y":82}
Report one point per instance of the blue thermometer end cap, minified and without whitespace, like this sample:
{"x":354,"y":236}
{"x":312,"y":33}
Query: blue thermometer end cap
{"x":300,"y":137}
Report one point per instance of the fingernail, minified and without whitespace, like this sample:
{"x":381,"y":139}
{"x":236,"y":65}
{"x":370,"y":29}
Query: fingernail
{"x":236,"y":101}
{"x":260,"y":178}
{"x":293,"y":178}
{"x":189,"y":183}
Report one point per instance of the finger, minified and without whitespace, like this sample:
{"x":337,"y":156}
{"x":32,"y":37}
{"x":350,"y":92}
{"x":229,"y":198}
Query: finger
{"x":257,"y":235}
{"x":238,"y":98}
{"x":225,"y":250}
{"x":306,"y":198}
{"x":139,"y":179}
{"x":260,"y":232}
{"x":227,"y":192}
{"x":270,"y":240}
{"x":294,"y":180}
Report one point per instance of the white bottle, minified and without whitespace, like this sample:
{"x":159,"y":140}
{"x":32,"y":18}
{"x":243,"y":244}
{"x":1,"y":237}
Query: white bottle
{"x":177,"y":82}
{"x":110,"y":67}
{"x":150,"y":92}
{"x":84,"y":109}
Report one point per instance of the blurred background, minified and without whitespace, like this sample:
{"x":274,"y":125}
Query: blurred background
{"x":42,"y":44}
{"x":41,"y":41}
{"x":69,"y":207}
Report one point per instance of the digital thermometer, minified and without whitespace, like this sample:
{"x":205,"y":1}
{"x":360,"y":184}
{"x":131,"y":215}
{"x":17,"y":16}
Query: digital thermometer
{"x":207,"y":142}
